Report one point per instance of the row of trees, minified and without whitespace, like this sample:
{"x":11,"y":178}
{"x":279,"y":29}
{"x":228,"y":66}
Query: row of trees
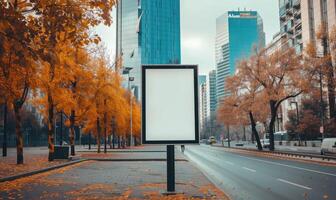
{"x":48,"y":52}
{"x":266,"y":80}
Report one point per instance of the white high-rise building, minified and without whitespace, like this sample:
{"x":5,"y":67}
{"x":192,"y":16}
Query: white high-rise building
{"x":300,"y":20}
{"x":203,"y":101}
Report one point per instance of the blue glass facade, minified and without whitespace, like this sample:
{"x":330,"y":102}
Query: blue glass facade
{"x":245,"y":33}
{"x":148,"y":32}
{"x":237,"y":33}
{"x":159,"y":38}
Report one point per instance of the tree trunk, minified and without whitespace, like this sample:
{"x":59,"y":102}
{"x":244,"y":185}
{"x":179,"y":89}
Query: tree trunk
{"x":89,"y":141}
{"x":330,"y":77}
{"x":331,"y":92}
{"x":4,"y":142}
{"x":271,"y":124}
{"x":61,"y":127}
{"x":110,"y":141}
{"x":244,"y":131}
{"x":123,"y":142}
{"x":119,"y":142}
{"x":113,"y":141}
{"x":113,"y":137}
{"x":229,"y":139}
{"x":72,"y":132}
{"x":105,"y":121}
{"x":252,"y":138}
{"x":98,"y":135}
{"x":19,"y":139}
{"x":254,"y":131}
{"x":51,"y":127}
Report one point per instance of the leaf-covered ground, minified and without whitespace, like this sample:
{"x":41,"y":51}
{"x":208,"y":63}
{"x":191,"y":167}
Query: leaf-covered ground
{"x":112,"y":180}
{"x":34,"y":159}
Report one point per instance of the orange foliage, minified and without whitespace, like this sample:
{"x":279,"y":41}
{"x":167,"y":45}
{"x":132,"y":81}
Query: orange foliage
{"x":108,"y":101}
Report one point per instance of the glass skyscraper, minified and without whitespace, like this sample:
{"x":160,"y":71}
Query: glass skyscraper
{"x":212,"y":93}
{"x":148,"y":32}
{"x":160,"y":32}
{"x":237,"y":33}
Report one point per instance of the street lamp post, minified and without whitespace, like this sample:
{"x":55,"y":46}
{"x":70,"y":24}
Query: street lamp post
{"x":113,"y":124}
{"x":61,"y":131}
{"x":131,"y":109}
{"x":127,"y":71}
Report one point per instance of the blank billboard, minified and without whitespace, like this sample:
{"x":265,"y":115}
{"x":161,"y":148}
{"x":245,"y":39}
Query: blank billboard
{"x":169,"y":104}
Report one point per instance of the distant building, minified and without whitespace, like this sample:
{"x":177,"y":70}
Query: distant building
{"x":203,"y":102}
{"x":300,"y":20}
{"x":237,"y":33}
{"x":212,"y":94}
{"x":160,"y":32}
{"x":148,"y":32}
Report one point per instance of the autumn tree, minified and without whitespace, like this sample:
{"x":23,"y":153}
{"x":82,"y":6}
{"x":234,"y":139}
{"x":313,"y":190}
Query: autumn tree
{"x":306,"y":123}
{"x":277,"y":77}
{"x":245,"y":101}
{"x":18,"y":60}
{"x":77,"y":80}
{"x":326,"y":63}
{"x":228,"y":114}
{"x":107,"y":100}
{"x":63,"y":24}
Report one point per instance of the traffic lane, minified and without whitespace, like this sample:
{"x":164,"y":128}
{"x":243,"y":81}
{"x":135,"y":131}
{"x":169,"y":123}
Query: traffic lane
{"x":281,"y":178}
{"x":260,"y":185}
{"x":322,"y":182}
{"x":231,"y":179}
{"x":316,"y":183}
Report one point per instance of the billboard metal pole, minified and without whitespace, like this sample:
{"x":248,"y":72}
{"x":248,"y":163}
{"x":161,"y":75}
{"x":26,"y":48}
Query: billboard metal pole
{"x":170,"y":168}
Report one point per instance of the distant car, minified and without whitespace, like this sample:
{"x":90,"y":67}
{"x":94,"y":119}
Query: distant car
{"x":212,"y":140}
{"x":328,"y":146}
{"x":205,"y":141}
{"x":265,"y":143}
{"x":239,"y":144}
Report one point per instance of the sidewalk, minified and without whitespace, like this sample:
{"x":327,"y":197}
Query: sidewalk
{"x":35,"y":158}
{"x":115,"y":180}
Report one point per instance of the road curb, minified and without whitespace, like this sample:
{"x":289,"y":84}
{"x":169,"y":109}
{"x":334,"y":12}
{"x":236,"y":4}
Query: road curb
{"x":136,"y":159}
{"x":22,"y":175}
{"x":123,"y":151}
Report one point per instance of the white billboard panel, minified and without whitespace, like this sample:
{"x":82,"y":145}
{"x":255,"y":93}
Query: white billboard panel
{"x":170,"y":104}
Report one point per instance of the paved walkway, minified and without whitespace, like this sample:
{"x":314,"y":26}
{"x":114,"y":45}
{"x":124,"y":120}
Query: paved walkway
{"x":114,"y":180}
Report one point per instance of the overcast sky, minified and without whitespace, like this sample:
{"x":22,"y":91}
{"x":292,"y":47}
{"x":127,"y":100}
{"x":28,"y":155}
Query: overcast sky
{"x":198,"y":27}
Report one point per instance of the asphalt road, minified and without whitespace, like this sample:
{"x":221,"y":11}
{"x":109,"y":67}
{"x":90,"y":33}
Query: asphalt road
{"x":251,"y":177}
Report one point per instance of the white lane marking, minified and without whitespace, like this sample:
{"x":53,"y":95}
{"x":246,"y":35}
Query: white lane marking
{"x":295,"y":184}
{"x":228,"y":162}
{"x":248,"y":169}
{"x":289,"y":166}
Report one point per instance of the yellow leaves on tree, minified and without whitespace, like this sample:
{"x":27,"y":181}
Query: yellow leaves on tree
{"x":17,"y":60}
{"x":43,"y":45}
{"x":108,"y":104}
